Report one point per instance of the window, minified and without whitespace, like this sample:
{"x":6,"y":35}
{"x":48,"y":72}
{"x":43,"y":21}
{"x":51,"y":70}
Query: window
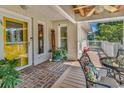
{"x":40,"y":38}
{"x":63,"y":37}
{"x":14,"y":32}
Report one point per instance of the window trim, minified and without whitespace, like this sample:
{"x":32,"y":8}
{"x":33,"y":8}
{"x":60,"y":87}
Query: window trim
{"x":44,"y":30}
{"x":59,"y":34}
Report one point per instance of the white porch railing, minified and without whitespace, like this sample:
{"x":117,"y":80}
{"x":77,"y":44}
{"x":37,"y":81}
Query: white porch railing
{"x":109,"y":48}
{"x":94,"y":44}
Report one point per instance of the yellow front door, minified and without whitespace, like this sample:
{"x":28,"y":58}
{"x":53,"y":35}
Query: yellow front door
{"x":15,"y":40}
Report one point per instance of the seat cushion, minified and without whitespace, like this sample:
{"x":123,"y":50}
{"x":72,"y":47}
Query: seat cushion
{"x":102,"y":72}
{"x":91,"y":72}
{"x":108,"y":81}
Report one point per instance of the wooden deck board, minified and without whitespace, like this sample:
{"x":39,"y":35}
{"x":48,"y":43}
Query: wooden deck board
{"x":75,"y":77}
{"x":73,"y":84}
{"x":66,"y":86}
{"x":76,"y":74}
{"x":72,"y":78}
{"x":75,"y":81}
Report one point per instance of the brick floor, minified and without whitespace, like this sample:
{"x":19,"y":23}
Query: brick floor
{"x":43,"y":75}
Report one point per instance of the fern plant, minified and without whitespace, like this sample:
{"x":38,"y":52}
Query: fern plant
{"x":9,"y":76}
{"x":63,"y":53}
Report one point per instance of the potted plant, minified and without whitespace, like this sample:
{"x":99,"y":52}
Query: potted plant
{"x":59,"y":54}
{"x":56,"y":55}
{"x":63,"y":53}
{"x":9,"y":76}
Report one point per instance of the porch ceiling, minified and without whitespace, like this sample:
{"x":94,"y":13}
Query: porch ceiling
{"x":86,"y":12}
{"x":89,"y":10}
{"x":48,"y":11}
{"x":71,"y":12}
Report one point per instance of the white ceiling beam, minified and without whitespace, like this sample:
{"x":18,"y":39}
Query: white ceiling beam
{"x":104,"y":19}
{"x":63,"y":13}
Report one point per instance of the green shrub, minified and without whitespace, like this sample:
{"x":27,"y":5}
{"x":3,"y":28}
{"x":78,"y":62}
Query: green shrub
{"x":9,"y":76}
{"x":110,"y":31}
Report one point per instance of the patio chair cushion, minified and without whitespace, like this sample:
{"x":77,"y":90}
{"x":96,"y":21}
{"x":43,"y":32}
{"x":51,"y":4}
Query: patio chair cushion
{"x":91,"y":72}
{"x":108,"y":81}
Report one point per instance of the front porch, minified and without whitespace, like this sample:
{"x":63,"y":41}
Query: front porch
{"x":55,"y":75}
{"x":29,"y":37}
{"x":67,"y":74}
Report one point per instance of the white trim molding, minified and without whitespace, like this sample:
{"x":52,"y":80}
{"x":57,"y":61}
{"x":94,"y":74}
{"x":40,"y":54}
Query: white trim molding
{"x":105,"y":19}
{"x":14,"y":15}
{"x":44,"y":36}
{"x":63,"y":13}
{"x":59,"y":34}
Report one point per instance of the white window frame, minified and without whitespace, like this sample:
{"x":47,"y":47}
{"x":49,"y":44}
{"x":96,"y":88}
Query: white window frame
{"x":13,"y":41}
{"x":59,"y":34}
{"x":44,"y":36}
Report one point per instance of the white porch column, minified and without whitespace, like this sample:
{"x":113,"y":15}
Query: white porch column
{"x":81,"y":39}
{"x":123,"y":32}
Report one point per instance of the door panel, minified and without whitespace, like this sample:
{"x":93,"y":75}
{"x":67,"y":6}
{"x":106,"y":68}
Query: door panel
{"x":15,"y":40}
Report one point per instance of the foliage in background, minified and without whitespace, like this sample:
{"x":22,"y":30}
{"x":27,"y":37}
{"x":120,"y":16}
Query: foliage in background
{"x":9,"y":76}
{"x":110,"y":31}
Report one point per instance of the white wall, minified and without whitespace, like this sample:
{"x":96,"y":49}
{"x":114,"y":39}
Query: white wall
{"x":38,"y":58}
{"x":10,"y":14}
{"x":36,"y":17}
{"x":71,"y":37}
{"x":82,"y":30}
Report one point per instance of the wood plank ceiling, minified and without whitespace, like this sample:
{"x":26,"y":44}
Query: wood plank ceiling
{"x":88,"y":10}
